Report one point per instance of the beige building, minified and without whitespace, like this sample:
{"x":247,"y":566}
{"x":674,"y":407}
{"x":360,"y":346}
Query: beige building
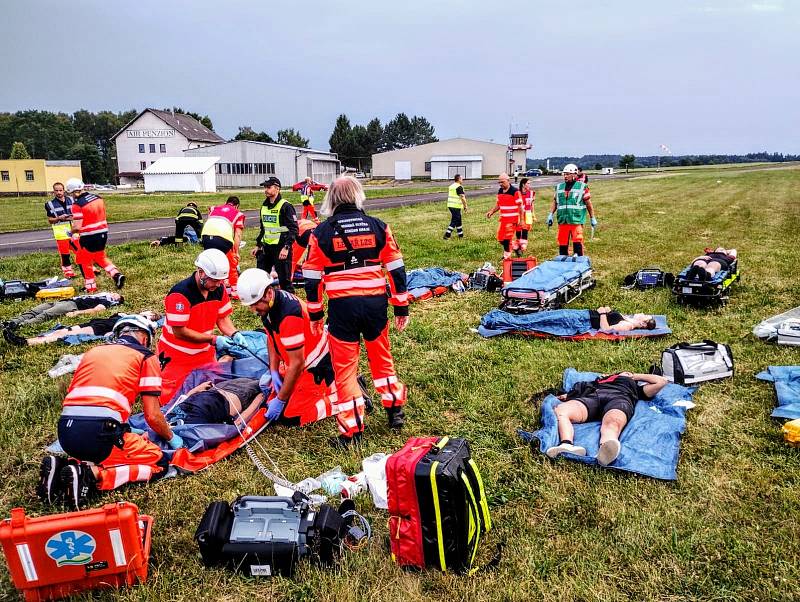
{"x":35,"y":176}
{"x":441,"y":160}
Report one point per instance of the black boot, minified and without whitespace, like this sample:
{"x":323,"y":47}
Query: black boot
{"x":397,"y":418}
{"x":342,"y":442}
{"x":368,"y":405}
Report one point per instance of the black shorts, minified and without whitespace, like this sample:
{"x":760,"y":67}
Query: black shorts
{"x":599,"y":405}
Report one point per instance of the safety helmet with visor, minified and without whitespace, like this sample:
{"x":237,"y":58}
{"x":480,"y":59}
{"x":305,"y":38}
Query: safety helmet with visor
{"x":135,"y":323}
{"x":252,"y":285}
{"x":73,"y":185}
{"x":214,"y":264}
{"x":570,"y":168}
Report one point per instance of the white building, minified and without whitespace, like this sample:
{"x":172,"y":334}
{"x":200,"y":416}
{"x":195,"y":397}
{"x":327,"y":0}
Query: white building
{"x":442,"y":160}
{"x":181,"y":174}
{"x":245,"y":163}
{"x":154,"y":135}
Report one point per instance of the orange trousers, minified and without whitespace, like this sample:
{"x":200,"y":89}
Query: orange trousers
{"x":137,"y":461}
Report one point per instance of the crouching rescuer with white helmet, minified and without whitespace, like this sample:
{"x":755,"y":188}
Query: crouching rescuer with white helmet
{"x":299,"y":362}
{"x":194,"y":306}
{"x":93,"y":429}
{"x":347,"y":256}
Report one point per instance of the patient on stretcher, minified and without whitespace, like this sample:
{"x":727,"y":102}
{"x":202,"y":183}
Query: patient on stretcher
{"x":706,"y":267}
{"x":607,"y":319}
{"x":232,"y":401}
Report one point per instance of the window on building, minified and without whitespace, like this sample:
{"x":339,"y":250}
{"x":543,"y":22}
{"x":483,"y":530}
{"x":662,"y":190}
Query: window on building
{"x":152,"y":148}
{"x":162,"y":148}
{"x":271,"y":168}
{"x":142,"y":164}
{"x":141,"y":148}
{"x":427,"y":165}
{"x":4,"y":176}
{"x":29,"y":175}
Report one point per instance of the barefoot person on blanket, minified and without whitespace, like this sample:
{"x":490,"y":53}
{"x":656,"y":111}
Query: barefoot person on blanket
{"x":612,"y":400}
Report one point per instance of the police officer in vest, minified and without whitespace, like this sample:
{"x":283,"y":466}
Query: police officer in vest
{"x":278,"y":231}
{"x":571,"y":202}
{"x":456,"y":200}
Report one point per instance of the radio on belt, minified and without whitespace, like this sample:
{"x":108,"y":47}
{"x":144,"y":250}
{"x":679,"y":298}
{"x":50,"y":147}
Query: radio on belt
{"x":51,"y":557}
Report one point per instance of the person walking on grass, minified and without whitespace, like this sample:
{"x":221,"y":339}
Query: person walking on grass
{"x":59,"y":216}
{"x":509,"y":204}
{"x":456,"y":202}
{"x":571,"y":202}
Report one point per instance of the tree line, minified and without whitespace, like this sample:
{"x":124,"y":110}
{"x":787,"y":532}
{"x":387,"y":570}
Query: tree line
{"x":631,"y":161}
{"x":355,"y":144}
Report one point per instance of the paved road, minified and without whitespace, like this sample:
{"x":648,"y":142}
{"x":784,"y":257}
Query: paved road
{"x":18,"y":243}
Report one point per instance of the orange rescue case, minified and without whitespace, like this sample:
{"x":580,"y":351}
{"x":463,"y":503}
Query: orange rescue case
{"x":51,"y":557}
{"x":514,"y":267}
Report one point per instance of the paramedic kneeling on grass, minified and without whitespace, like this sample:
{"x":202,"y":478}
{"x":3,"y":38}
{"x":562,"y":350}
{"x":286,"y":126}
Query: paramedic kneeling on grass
{"x":93,"y":427}
{"x":612,"y":400}
{"x":571,"y":201}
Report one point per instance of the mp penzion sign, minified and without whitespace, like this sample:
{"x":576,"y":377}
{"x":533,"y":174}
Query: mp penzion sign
{"x":151,"y":133}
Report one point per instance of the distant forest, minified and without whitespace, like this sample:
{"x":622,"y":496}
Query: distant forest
{"x":598,"y":161}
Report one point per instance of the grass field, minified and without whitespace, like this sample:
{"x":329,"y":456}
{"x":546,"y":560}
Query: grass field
{"x":728,"y":529}
{"x":27,"y":213}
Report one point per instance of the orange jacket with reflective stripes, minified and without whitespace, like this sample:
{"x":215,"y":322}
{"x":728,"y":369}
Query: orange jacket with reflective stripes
{"x":110,"y":377}
{"x":353,"y":267}
{"x":509,"y":203}
{"x":91,"y":209}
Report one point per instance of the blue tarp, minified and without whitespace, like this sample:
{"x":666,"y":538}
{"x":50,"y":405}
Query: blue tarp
{"x":551,"y":275}
{"x":650,"y":441}
{"x":557,"y":323}
{"x":197,"y":437}
{"x":419,"y":282}
{"x":787,"y":389}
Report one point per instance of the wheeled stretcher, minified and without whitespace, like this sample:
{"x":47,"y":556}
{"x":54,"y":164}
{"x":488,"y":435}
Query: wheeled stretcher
{"x":692,"y":291}
{"x":549,"y":285}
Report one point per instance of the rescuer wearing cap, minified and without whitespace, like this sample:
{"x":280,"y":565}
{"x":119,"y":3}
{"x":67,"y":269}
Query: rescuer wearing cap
{"x":278,"y":232}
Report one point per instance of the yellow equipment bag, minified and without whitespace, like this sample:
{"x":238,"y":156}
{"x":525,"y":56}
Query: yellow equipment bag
{"x":62,"y":292}
{"x":791,"y":432}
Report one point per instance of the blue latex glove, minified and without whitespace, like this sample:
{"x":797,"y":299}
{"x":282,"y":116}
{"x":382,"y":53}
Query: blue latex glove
{"x":223,"y":344}
{"x":550,"y":220}
{"x":593,"y":221}
{"x":176,"y":442}
{"x":277,"y":381}
{"x":240,"y":339}
{"x":275,"y":409}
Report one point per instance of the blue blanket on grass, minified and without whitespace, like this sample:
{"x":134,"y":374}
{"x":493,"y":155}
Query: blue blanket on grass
{"x":557,"y":323}
{"x":787,"y":389}
{"x":650,"y":441}
{"x":419,"y":282}
{"x":551,"y":275}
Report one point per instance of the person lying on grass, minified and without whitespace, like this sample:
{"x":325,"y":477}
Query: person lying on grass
{"x":610,"y":399}
{"x":605,"y":318}
{"x":99,"y":327}
{"x":232,"y":401}
{"x":706,"y":266}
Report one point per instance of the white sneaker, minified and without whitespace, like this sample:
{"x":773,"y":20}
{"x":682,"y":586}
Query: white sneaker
{"x":562,"y":448}
{"x":608,"y":452}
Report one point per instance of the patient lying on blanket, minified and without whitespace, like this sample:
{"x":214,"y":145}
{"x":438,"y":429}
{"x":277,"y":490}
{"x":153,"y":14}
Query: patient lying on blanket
{"x":607,"y":319}
{"x":610,"y":399}
{"x":706,"y":266}
{"x":231,"y":401}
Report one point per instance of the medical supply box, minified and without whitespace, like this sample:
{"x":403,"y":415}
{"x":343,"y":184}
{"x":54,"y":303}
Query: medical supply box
{"x":692,"y":363}
{"x":514,"y":267}
{"x":55,"y":556}
{"x":789,"y":332}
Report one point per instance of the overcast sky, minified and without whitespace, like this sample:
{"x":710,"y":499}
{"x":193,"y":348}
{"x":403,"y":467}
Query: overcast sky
{"x":619,"y":76}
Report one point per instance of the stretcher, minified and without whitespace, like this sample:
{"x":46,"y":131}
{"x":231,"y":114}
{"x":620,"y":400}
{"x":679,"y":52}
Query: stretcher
{"x":705,"y":292}
{"x":549,"y":285}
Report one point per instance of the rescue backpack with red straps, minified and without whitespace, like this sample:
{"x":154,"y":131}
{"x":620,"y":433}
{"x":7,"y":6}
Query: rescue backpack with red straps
{"x":437,"y":504}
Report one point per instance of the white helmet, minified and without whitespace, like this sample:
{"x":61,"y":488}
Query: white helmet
{"x":253,"y":283}
{"x":73,"y":184}
{"x":214,"y":263}
{"x":570,"y":168}
{"x":134,"y":322}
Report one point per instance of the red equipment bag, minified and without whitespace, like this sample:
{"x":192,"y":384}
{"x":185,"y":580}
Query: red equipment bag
{"x":514,"y":267}
{"x":51,"y":557}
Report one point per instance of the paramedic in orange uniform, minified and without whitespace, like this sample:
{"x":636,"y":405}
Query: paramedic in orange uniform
{"x":528,"y":214}
{"x":90,"y":235}
{"x":347,"y":256}
{"x":299,"y":362}
{"x":300,"y":244}
{"x":509,"y":204}
{"x":94,"y":425}
{"x":194,"y":306}
{"x":230,"y":212}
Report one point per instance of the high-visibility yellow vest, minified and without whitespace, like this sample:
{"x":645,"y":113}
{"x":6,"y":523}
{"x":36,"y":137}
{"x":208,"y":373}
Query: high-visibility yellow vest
{"x":62,"y":230}
{"x":217,"y":225}
{"x":270,"y":219}
{"x":453,"y":198}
